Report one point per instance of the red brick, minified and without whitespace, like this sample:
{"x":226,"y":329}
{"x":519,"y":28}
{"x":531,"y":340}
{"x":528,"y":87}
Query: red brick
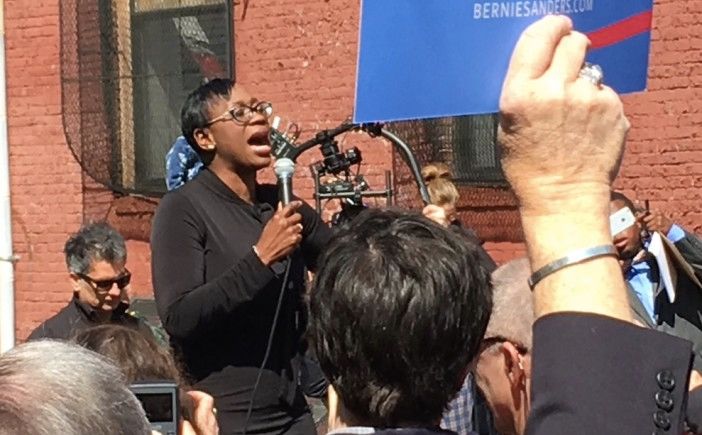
{"x":302,"y":56}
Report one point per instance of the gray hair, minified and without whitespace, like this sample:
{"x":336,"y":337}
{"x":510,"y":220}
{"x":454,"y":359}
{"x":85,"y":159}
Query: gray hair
{"x":51,"y":387}
{"x":94,"y":242}
{"x":512,"y":308}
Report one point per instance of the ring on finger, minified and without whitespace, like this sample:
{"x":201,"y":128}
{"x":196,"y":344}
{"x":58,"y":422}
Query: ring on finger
{"x":592,"y":73}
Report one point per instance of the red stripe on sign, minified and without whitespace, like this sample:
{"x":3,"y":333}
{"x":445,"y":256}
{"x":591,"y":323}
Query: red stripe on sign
{"x":620,"y":31}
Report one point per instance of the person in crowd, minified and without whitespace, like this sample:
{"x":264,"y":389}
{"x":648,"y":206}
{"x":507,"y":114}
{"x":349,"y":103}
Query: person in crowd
{"x":389,"y":271}
{"x":562,"y":135}
{"x":650,"y":301}
{"x":467,"y":412}
{"x":142,"y":359}
{"x":442,"y":191}
{"x":182,"y":164}
{"x":444,"y":195}
{"x":53,"y":387}
{"x":95,"y":257}
{"x":138,"y":355}
{"x":224,"y":253}
{"x":503,"y":366}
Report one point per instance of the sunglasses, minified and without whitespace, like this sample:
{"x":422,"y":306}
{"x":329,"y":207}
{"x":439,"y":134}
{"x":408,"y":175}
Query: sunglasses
{"x":105,"y":285}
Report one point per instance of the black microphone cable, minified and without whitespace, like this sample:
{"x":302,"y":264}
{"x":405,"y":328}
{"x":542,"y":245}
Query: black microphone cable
{"x":269,"y":345}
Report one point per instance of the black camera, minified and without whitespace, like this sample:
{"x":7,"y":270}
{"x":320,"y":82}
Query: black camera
{"x":160,"y":400}
{"x":336,"y":161}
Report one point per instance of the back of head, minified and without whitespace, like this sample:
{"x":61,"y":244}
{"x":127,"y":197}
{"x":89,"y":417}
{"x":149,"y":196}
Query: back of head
{"x":51,"y":387}
{"x":512,"y":315}
{"x":442,"y":191}
{"x":195,"y":111}
{"x":436,"y":170}
{"x":397,"y":312}
{"x":139,"y":356}
{"x":94,"y":242}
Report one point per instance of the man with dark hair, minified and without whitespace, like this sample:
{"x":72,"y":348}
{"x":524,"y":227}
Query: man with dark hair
{"x":222,"y":255}
{"x":676,"y":311}
{"x":397,"y":312}
{"x":95,"y":257}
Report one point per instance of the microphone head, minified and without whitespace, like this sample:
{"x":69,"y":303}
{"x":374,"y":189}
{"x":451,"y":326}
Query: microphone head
{"x":284,"y":167}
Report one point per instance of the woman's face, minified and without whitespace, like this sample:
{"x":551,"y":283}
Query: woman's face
{"x":241,"y":144}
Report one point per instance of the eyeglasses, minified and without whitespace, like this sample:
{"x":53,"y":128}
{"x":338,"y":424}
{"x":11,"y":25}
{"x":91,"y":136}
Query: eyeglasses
{"x":105,"y":285}
{"x":243,"y":113}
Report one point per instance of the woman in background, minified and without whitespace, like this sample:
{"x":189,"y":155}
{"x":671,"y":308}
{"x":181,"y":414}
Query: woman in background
{"x":444,"y":195}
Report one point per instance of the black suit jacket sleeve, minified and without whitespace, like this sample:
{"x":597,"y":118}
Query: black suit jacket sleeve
{"x":694,"y":410}
{"x":690,"y":248}
{"x":597,"y":375}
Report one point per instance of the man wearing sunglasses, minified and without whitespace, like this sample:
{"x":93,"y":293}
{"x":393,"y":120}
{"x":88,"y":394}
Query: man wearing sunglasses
{"x":95,"y":257}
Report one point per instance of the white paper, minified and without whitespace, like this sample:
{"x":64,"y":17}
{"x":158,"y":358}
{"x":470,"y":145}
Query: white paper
{"x":621,"y":220}
{"x":668,"y":274}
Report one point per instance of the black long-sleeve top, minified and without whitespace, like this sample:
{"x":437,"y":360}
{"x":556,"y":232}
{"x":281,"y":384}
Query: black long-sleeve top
{"x":216,"y":299}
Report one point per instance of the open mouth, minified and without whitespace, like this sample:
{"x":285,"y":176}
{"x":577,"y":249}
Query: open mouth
{"x":259,"y":138}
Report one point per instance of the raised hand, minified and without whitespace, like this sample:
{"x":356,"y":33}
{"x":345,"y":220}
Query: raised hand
{"x":559,"y":132}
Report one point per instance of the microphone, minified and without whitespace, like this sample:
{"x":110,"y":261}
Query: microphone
{"x":284,"y":169}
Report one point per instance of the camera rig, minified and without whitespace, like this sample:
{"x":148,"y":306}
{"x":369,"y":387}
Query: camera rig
{"x":350,"y":188}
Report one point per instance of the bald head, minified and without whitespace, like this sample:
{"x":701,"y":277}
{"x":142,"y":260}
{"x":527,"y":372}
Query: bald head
{"x":512,"y":309}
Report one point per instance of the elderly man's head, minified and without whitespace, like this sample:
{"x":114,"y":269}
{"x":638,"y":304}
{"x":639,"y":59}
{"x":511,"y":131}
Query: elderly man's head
{"x":503,"y":367}
{"x":51,"y":387}
{"x":96,"y":256}
{"x":397,"y":312}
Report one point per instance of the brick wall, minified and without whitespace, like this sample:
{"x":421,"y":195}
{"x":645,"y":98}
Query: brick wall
{"x":663,"y":160}
{"x":45,"y":179}
{"x":301,"y":54}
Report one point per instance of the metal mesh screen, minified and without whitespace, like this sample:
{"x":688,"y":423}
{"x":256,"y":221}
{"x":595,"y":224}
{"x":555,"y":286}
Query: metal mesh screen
{"x":468,"y":145}
{"x":126,"y":67}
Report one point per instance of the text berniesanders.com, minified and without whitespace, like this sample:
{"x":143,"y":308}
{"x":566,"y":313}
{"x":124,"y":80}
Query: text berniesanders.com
{"x":530,"y":8}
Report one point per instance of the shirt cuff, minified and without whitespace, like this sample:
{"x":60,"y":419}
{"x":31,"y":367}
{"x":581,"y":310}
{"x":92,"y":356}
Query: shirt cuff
{"x":675,"y":234}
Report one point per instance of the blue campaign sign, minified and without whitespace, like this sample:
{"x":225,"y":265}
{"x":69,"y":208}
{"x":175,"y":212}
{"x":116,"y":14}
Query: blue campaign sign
{"x":431,"y":58}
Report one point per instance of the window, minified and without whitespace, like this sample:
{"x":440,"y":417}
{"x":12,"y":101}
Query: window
{"x":173,"y":48}
{"x":476,"y":158}
{"x":467,"y":143}
{"x":126,"y":69}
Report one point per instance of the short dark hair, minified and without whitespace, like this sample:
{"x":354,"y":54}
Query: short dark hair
{"x":195,"y":111}
{"x":94,"y":242}
{"x":397,"y":312}
{"x":618,"y":196}
{"x":138,"y":355}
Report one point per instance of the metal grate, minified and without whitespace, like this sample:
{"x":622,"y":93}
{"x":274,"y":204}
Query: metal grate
{"x":467,"y":143}
{"x":126,"y":67}
{"x":475,"y":155}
